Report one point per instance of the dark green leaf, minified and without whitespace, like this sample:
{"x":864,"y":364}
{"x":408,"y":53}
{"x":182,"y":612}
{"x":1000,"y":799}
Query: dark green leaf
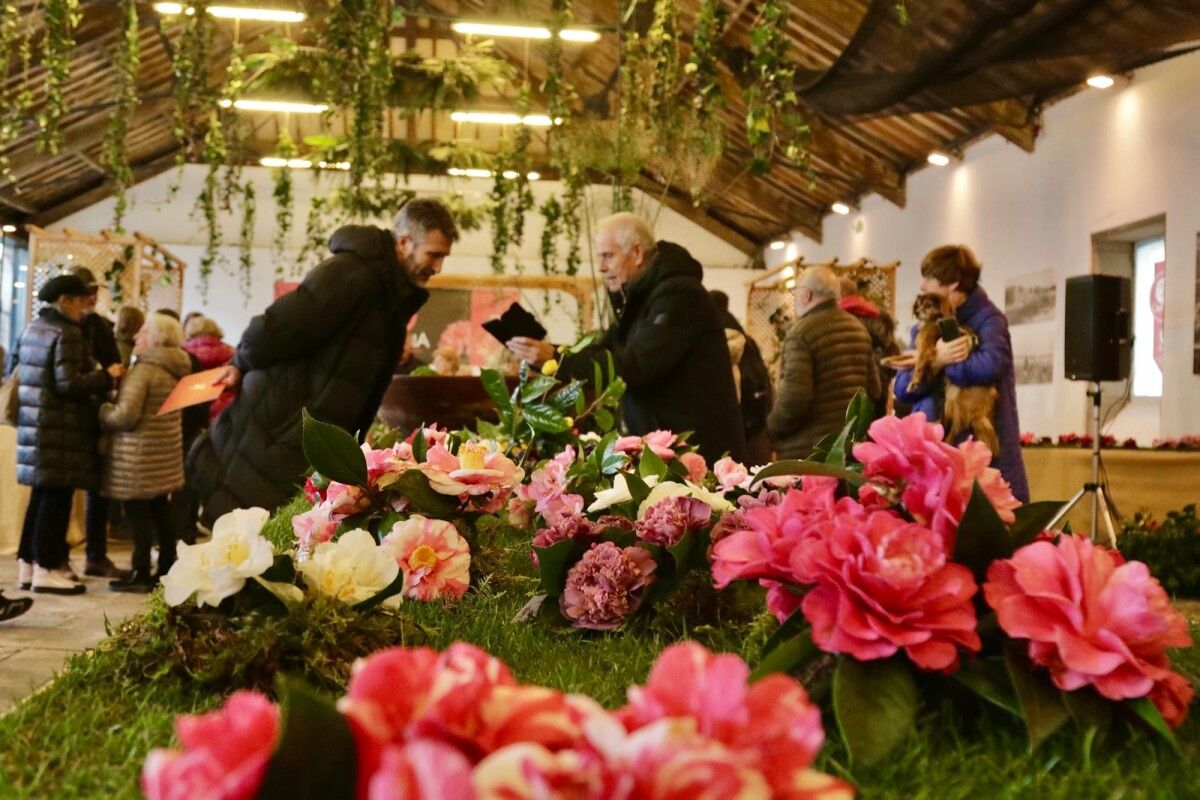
{"x":836,"y":457}
{"x":581,"y":345}
{"x":789,"y":655}
{"x":800,"y":467}
{"x":537,"y":387}
{"x":981,"y":537}
{"x":282,"y":569}
{"x":1150,"y":714}
{"x":619,"y":536}
{"x":414,"y":485}
{"x":682,"y":550}
{"x":544,"y":418}
{"x":597,"y":378}
{"x":387,"y":522}
{"x":567,"y":398}
{"x":821,"y":450}
{"x":554,"y":562}
{"x":487,"y":430}
{"x":875,"y":703}
{"x":609,"y":459}
{"x":791,"y":626}
{"x":604,"y":419}
{"x":420,"y":447}
{"x":637,"y":488}
{"x":859,"y":416}
{"x":389,"y":439}
{"x":1091,"y":713}
{"x":497,"y":388}
{"x":333,"y":452}
{"x":651,"y":464}
{"x":1032,"y":519}
{"x":989,"y":679}
{"x":316,"y":757}
{"x":1041,"y":702}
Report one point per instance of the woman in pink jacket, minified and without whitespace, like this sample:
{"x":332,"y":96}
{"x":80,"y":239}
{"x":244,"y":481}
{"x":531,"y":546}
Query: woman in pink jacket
{"x":204,"y":342}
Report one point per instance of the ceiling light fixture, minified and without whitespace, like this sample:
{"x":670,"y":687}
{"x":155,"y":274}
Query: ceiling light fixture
{"x":19,"y":285}
{"x":778,"y":244}
{"x":1100,"y":82}
{"x":533,"y":176}
{"x":938,"y":159}
{"x":236,"y":12}
{"x":502,"y":118}
{"x":10,"y":229}
{"x":477,"y":172}
{"x":248,"y":104}
{"x":275,"y":162}
{"x":840,"y":208}
{"x":505,"y":31}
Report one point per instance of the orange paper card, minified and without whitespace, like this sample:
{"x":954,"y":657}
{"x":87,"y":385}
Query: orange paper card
{"x":192,"y":390}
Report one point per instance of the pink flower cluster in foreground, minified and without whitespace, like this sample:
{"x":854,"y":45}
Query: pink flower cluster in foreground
{"x":458,"y":725}
{"x":1093,"y":620}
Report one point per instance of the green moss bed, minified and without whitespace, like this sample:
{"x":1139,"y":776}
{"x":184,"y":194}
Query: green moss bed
{"x":87,"y":733}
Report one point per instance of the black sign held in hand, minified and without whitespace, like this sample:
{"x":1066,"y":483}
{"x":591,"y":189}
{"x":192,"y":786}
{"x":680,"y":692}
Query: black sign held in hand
{"x":515,"y":321}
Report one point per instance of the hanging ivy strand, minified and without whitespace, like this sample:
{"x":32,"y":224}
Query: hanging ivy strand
{"x":194,"y":97}
{"x":61,"y":18}
{"x":115,"y":156}
{"x":246,"y":239}
{"x":774,"y":122}
{"x":285,"y":148}
{"x":16,"y":56}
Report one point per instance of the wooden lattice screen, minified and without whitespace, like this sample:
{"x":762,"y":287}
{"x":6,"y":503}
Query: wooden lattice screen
{"x":131,"y":270}
{"x":770,"y":307}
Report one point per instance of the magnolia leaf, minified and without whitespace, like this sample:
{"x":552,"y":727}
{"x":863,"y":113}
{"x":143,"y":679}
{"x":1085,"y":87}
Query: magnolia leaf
{"x":287,"y":593}
{"x":333,"y":452}
{"x":875,"y":703}
{"x":544,"y":418}
{"x":497,"y":388}
{"x":1149,"y":713}
{"x":651,"y":464}
{"x":1041,"y":702}
{"x":414,"y":485}
{"x":316,"y":757}
{"x":387,"y":522}
{"x":989,"y":679}
{"x":554,"y":562}
{"x":1032,"y":519}
{"x":802,"y":467}
{"x":981,"y":537}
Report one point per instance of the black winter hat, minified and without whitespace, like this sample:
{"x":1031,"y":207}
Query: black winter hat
{"x":59,"y":285}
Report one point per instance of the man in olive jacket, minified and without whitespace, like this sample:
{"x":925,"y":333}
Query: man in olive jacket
{"x":330,"y":346}
{"x":668,"y":344}
{"x":827,"y":358}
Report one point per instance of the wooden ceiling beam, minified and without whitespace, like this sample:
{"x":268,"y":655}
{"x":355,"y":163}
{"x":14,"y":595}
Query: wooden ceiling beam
{"x":678,"y":202}
{"x":1014,"y":119}
{"x":143,"y":171}
{"x":16,"y":205}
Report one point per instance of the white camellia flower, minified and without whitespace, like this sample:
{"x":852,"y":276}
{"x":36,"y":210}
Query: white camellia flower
{"x":618,"y":494}
{"x":351,"y":569}
{"x":715,"y":500}
{"x":219,"y":568}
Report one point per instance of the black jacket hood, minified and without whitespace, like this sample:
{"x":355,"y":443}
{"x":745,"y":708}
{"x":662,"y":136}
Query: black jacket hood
{"x":377,"y":246}
{"x":670,"y":261}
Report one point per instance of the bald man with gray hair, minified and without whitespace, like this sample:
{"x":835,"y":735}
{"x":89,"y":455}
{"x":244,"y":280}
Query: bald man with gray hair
{"x":827,"y":358}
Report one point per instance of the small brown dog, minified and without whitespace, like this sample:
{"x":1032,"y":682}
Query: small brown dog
{"x":966,"y":407}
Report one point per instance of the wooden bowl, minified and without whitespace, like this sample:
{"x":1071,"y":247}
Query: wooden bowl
{"x":451,"y":401}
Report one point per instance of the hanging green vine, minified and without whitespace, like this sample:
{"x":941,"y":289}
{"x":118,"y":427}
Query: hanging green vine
{"x":282,"y":192}
{"x":61,"y":17}
{"x":16,"y":56}
{"x":191,"y":89}
{"x":246,"y":238}
{"x":774,"y":122}
{"x":114,"y":155}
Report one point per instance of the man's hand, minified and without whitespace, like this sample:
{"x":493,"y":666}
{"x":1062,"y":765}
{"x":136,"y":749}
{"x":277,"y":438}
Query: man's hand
{"x":116,"y":371}
{"x":230,"y":376}
{"x":952,"y":352}
{"x":535,"y":351}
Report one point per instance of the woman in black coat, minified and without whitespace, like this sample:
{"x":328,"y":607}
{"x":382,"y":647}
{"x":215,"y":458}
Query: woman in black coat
{"x":58,"y":432}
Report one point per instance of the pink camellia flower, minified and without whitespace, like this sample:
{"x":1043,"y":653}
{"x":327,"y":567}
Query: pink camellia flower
{"x":668,"y":520}
{"x":764,"y":547}
{"x":422,"y":770}
{"x":476,"y":471}
{"x":314,"y":526}
{"x":344,"y":500}
{"x":735,"y":520}
{"x":435,"y":559}
{"x":389,"y":689}
{"x":578,"y":528}
{"x":534,"y":714}
{"x":520,"y":512}
{"x":526,"y":771}
{"x":547,"y":489}
{"x":225,"y":752}
{"x":731,"y":474}
{"x":606,"y":586}
{"x":782,"y":599}
{"x":1092,"y":621}
{"x":659,"y":442}
{"x":696,"y":466}
{"x":906,"y":458}
{"x":882,"y":584}
{"x":314,"y":488}
{"x":465,"y":676}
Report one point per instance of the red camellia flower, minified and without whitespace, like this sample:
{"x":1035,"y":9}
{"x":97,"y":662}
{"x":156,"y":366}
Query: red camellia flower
{"x":884,"y":584}
{"x":1093,"y":621}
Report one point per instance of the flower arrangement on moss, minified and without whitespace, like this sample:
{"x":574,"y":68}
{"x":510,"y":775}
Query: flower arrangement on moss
{"x":914,"y":558}
{"x":418,"y":725}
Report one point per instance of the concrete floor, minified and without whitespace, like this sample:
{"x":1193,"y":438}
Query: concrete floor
{"x":34,"y":646}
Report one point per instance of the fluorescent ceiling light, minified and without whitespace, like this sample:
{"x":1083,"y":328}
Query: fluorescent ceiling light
{"x":236,"y":12}
{"x":501,"y":118}
{"x":778,"y":244}
{"x":840,"y":208}
{"x":19,"y":285}
{"x":342,"y":165}
{"x":938,"y":159}
{"x":478,"y":172}
{"x":500,"y":30}
{"x":533,"y":176}
{"x":10,"y":228}
{"x":1100,"y":82}
{"x":247,"y":104}
{"x":275,"y":162}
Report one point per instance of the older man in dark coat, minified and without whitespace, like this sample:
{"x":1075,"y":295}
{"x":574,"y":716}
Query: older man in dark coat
{"x":668,"y":344}
{"x":330,"y":346}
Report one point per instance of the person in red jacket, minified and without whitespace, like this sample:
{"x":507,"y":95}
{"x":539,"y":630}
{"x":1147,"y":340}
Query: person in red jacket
{"x":203,"y":340}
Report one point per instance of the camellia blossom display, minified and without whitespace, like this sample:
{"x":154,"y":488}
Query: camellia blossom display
{"x":429,"y":726}
{"x":434,"y":557}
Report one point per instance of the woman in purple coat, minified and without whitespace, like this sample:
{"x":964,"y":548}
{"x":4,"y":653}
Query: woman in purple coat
{"x":952,"y":271}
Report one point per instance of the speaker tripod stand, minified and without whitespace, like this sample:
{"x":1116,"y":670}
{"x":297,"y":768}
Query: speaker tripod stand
{"x":1101,"y":502}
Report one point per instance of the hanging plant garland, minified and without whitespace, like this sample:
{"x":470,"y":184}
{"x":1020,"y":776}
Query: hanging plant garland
{"x":230,"y":155}
{"x":774,"y":122}
{"x":282,"y":193}
{"x":194,"y":97}
{"x":16,"y":56}
{"x":114,"y":156}
{"x":61,"y":17}
{"x":246,"y":238}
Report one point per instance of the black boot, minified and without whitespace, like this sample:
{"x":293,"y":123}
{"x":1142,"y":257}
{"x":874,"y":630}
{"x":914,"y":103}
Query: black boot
{"x":140,"y":582}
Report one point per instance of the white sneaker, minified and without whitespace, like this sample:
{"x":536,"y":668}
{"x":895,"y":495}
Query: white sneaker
{"x":55,"y":581}
{"x":24,"y":574}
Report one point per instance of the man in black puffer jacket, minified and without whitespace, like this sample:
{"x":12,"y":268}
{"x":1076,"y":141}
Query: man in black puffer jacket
{"x":330,"y":346}
{"x":668,"y":344}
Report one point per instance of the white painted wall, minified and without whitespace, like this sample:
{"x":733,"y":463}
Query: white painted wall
{"x":170,"y":219}
{"x":1104,"y":159}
